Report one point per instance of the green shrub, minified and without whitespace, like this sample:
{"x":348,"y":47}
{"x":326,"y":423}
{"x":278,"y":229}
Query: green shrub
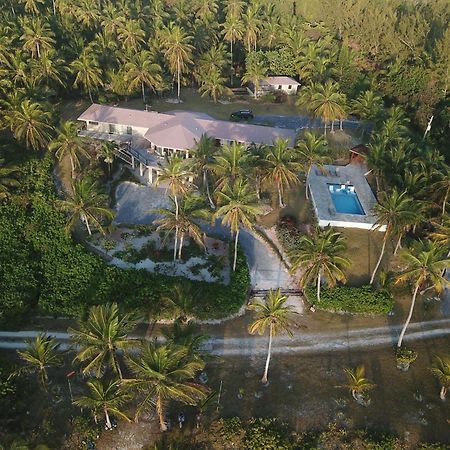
{"x":267,"y":434}
{"x":349,"y":299}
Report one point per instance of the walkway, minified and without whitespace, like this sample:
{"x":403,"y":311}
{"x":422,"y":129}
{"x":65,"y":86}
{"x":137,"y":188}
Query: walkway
{"x":134,"y":203}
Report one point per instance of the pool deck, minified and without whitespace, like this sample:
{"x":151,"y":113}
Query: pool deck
{"x":352,"y":174}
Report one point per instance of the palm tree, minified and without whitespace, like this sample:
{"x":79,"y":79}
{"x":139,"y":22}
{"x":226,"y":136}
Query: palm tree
{"x":99,"y":337}
{"x":274,"y":314}
{"x":425,"y":264}
{"x":177,"y":50}
{"x":441,"y":232}
{"x":164,"y":373}
{"x":41,"y":353}
{"x":131,"y":35}
{"x":254,"y":73}
{"x":357,"y":382}
{"x":32,"y":6}
{"x":280,"y":168}
{"x":142,"y":71}
{"x":181,"y":300}
{"x":108,"y":151}
{"x":37,"y":37}
{"x":230,"y":163}
{"x":327,"y":103}
{"x":202,"y":158}
{"x":87,"y":205}
{"x":69,"y":144}
{"x":8,"y":179}
{"x":107,"y":396}
{"x":312,"y":151}
{"x":394,"y":211}
{"x":213,"y":84}
{"x":176,"y":174}
{"x":29,"y":123}
{"x":87,"y":71}
{"x":441,"y":188}
{"x":185,"y":334}
{"x":252,"y":26}
{"x":320,"y":256}
{"x":237,"y":207}
{"x":441,"y":369}
{"x":233,"y":31}
{"x":189,"y":209}
{"x":368,"y":107}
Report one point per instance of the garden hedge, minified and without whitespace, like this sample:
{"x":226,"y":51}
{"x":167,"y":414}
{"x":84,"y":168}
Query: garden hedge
{"x":363,"y":300}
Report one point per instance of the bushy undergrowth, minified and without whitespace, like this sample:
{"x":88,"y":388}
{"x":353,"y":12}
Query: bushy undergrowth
{"x":363,"y":300}
{"x":41,"y":265}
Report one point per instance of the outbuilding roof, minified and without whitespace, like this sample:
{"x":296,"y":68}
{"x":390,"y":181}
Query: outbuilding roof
{"x":275,"y":81}
{"x":182,"y":129}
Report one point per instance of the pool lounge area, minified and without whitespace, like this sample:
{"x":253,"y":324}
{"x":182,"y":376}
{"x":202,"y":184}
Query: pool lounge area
{"x":342,"y":196}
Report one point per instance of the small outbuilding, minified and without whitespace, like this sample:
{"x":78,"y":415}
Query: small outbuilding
{"x":358,"y":154}
{"x":275,"y":84}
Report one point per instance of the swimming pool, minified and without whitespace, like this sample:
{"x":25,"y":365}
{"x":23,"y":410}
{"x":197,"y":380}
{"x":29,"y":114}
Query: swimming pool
{"x":345,"y":199}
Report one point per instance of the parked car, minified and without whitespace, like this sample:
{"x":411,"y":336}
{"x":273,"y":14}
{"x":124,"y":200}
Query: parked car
{"x":242,"y":114}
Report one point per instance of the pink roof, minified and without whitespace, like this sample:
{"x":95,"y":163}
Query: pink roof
{"x":282,"y":80}
{"x":181,"y":129}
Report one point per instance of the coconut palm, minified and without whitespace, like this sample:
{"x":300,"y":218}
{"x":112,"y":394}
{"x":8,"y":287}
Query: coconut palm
{"x":185,"y":334}
{"x":181,"y":300}
{"x":202,"y":158}
{"x":425,"y":264}
{"x":320,"y":257}
{"x":254,"y":73}
{"x":327,"y":103}
{"x":280,"y":167}
{"x":49,"y":69}
{"x":441,"y":233}
{"x":233,"y":30}
{"x":176,"y":175}
{"x":272,"y":314}
{"x":8,"y":179}
{"x":85,"y":203}
{"x":32,"y":6}
{"x":237,"y":207}
{"x":212,"y":84}
{"x":164,"y":373}
{"x":368,"y":107}
{"x":30,"y":124}
{"x":41,"y":353}
{"x":105,"y":396}
{"x":177,"y":50}
{"x":87,"y":71}
{"x":441,"y":370}
{"x":190,"y":208}
{"x":394,"y":212}
{"x":312,"y":151}
{"x":252,"y":26}
{"x":37,"y":37}
{"x":108,"y":151}
{"x":100,"y":336}
{"x":69,"y":144}
{"x":357,"y":382}
{"x":441,"y":188}
{"x":131,"y":35}
{"x":230,"y":163}
{"x":142,"y":71}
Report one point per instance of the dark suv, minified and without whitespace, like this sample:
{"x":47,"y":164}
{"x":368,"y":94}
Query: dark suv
{"x":242,"y":114}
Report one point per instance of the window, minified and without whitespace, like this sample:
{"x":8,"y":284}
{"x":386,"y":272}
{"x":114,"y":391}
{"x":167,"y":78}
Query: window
{"x":290,"y":87}
{"x":90,"y":122}
{"x":279,"y":87}
{"x":129,"y":130}
{"x":112,"y":128}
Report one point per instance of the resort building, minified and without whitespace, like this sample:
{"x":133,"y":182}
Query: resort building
{"x":148,"y":136}
{"x":275,"y":84}
{"x":342,"y":197}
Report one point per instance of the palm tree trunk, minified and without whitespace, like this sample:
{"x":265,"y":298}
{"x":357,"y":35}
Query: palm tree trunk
{"x":398,"y":245}
{"x":38,"y":50}
{"x":108,"y":421}
{"x":318,"y":286}
{"x":379,"y":258}
{"x":143,"y":91}
{"x":354,"y":395}
{"x":269,"y":350}
{"x":206,"y":184}
{"x":176,"y":229}
{"x":181,"y":245}
{"x":235,"y":249}
{"x":178,"y":78}
{"x":444,"y":202}
{"x":159,"y":411}
{"x":340,"y":124}
{"x":86,"y":221}
{"x":280,"y":196}
{"x":72,"y":165}
{"x":306,"y":184}
{"x":332,"y":126}
{"x":325,"y":129}
{"x":90,"y":94}
{"x":443,"y":393}
{"x":116,"y":364}
{"x":231,"y":67}
{"x":408,"y":319}
{"x":54,"y":7}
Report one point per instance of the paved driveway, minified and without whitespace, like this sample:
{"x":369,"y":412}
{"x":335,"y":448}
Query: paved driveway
{"x":134,"y":203}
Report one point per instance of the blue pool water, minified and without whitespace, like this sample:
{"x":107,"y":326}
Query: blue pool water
{"x":345,"y":199}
